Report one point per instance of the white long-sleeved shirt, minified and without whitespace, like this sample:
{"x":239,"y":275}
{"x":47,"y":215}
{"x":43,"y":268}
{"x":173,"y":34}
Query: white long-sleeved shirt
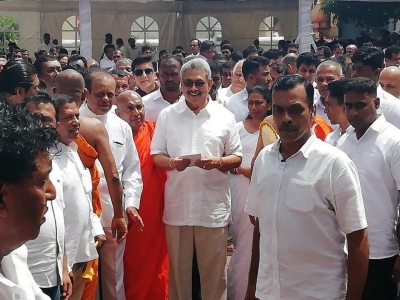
{"x":126,"y":160}
{"x":81,"y":223}
{"x":17,"y":282}
{"x":46,"y":252}
{"x":238,"y":105}
{"x":196,"y":197}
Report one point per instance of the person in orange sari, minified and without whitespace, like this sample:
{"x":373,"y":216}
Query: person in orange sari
{"x":146,"y":256}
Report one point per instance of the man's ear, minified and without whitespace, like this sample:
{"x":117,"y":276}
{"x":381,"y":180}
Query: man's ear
{"x":3,"y":208}
{"x":19,"y":91}
{"x":377,"y":102}
{"x":377,"y":72}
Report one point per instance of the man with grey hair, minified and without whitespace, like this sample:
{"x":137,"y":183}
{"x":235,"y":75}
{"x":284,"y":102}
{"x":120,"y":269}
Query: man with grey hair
{"x":197,"y":157}
{"x":327,"y":72}
{"x":125,"y":64}
{"x":290,"y":62}
{"x":351,"y":49}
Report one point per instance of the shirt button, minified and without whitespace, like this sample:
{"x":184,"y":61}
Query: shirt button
{"x":17,"y":296}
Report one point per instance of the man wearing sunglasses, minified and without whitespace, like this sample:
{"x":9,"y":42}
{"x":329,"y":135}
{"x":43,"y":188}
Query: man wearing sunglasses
{"x":144,"y":75}
{"x":197,"y":201}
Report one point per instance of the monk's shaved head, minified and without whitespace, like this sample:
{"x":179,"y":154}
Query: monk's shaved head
{"x":130,"y":108}
{"x":71,"y":83}
{"x":389,"y":80}
{"x":126,"y":97}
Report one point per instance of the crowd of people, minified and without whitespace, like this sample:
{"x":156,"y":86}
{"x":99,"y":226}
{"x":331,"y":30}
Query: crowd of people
{"x":123,"y":178}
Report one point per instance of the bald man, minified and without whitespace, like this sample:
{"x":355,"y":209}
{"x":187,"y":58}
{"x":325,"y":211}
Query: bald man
{"x":91,"y":63}
{"x":390,"y":81}
{"x":290,"y":62}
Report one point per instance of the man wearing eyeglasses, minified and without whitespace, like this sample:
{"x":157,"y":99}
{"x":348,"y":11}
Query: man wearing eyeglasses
{"x":195,"y":47}
{"x":197,"y":200}
{"x":207,"y":49}
{"x":392,"y":56}
{"x":144,"y":75}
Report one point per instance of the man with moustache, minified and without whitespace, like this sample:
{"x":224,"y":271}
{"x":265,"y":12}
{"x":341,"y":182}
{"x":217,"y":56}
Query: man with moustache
{"x":311,"y":204}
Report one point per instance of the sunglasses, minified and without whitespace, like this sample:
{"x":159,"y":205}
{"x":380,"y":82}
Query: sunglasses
{"x":196,"y":83}
{"x":139,"y":72}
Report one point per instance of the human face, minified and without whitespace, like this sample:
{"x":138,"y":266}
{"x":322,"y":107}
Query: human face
{"x":292,"y":114}
{"x":64,"y":60}
{"x":263,"y":76}
{"x":258,"y":106}
{"x":121,"y":84}
{"x":308,"y":72}
{"x":361,"y":70}
{"x":170,"y":78}
{"x":131,"y":110}
{"x":360,"y":110}
{"x":333,"y":110}
{"x":100,"y":98}
{"x":390,"y":82}
{"x":117,"y":55}
{"x":25,"y":55}
{"x":109,"y":53}
{"x":194,"y":47}
{"x":195,"y":95}
{"x":393,"y":61}
{"x":132,"y":43}
{"x":325,"y":75}
{"x":216,"y":77}
{"x":350,"y":51}
{"x":44,"y":112}
{"x":338,"y":51}
{"x":125,"y":67}
{"x":25,"y":201}
{"x":226,"y":77}
{"x":46,"y":39}
{"x":227,"y":53}
{"x":50,"y":71}
{"x":147,"y":52}
{"x":145,"y":81}
{"x":68,"y":123}
{"x":274,"y":76}
{"x":16,"y":55}
{"x":44,"y":54}
{"x":293,"y":50}
{"x":237,"y":78}
{"x":54,"y":54}
{"x":320,"y":54}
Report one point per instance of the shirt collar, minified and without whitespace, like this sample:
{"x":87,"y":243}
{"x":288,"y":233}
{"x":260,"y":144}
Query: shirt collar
{"x":86,"y":112}
{"x":305,"y":149}
{"x":244,"y":94}
{"x":182,"y":106}
{"x":376,"y":126}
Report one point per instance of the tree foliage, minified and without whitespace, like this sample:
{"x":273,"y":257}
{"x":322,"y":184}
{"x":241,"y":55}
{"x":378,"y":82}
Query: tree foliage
{"x":364,"y":14}
{"x":8,"y":29}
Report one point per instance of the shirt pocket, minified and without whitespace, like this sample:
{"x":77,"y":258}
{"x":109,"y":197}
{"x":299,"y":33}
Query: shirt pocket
{"x":300,"y":195}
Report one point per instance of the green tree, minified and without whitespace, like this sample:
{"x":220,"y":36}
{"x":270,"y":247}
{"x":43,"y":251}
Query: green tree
{"x":364,"y":14}
{"x":8,"y":29}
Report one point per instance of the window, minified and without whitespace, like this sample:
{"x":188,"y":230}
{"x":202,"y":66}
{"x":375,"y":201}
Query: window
{"x":9,"y":31}
{"x":270,"y":32}
{"x":70,"y":34}
{"x":209,"y":28}
{"x":145,"y":30}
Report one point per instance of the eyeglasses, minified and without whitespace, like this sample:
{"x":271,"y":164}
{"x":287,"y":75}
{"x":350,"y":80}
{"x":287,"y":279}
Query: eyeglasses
{"x":139,"y":72}
{"x":197,"y":84}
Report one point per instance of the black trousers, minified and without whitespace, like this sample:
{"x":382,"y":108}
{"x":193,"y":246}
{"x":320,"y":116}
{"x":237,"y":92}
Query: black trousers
{"x":379,"y":284}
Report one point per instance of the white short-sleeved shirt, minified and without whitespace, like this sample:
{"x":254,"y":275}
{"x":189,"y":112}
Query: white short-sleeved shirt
{"x":154,"y":103}
{"x":224,"y":94}
{"x":305,"y":206}
{"x":196,"y":197}
{"x":106,"y":63}
{"x":46,"y":252}
{"x":389,"y":106}
{"x":43,"y":46}
{"x":17,"y":282}
{"x":377,"y":157}
{"x":333,"y":137}
{"x":238,"y":105}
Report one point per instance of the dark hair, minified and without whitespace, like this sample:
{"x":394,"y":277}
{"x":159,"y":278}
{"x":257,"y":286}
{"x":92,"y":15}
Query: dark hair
{"x":108,"y":46}
{"x":236,"y":56}
{"x":392,"y":50}
{"x":40,"y":61}
{"x":206,"y":46}
{"x":16,"y":50}
{"x":162,"y":53}
{"x":38,"y":98}
{"x":198,"y":41}
{"x":141,"y":59}
{"x":119,"y":41}
{"x":118,"y":72}
{"x":227,"y":46}
{"x":23,"y":138}
{"x":289,"y":82}
{"x":337,"y":46}
{"x":59,"y":100}
{"x":15,"y":74}
{"x":248,"y":50}
{"x":180,"y":47}
{"x":169,"y":57}
{"x":336,"y":90}
{"x":46,"y":34}
{"x":272,"y":54}
{"x":41,"y":52}
{"x":327,"y":51}
{"x":89,"y":76}
{"x":369,"y":56}
{"x":178,"y":51}
{"x":215,"y":66}
{"x":78,"y":68}
{"x":361,"y":85}
{"x":263,"y":90}
{"x":228,"y":65}
{"x":224,"y":42}
{"x":279,"y":68}
{"x":62,"y":50}
{"x":220,"y":56}
{"x":62,"y":56}
{"x":77,"y":57}
{"x":293,"y":45}
{"x":109,"y":35}
{"x":252,"y":64}
{"x":145,"y":48}
{"x":308,"y":59}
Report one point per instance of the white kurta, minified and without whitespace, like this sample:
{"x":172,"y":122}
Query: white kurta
{"x":241,"y":228}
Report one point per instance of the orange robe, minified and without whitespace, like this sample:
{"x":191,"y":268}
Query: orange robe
{"x":146,"y":256}
{"x":321,"y":127}
{"x":88,"y":156}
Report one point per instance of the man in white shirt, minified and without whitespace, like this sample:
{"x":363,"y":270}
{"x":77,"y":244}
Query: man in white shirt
{"x":194,"y":47}
{"x":368,"y":62}
{"x":392,"y":56}
{"x":255,"y":71}
{"x":82,"y":226}
{"x":134,"y":51}
{"x":389,"y":80}
{"x":100,"y":94}
{"x":197,"y":201}
{"x":237,"y":82}
{"x":46,"y":45}
{"x":107,"y":61}
{"x":327,"y":72}
{"x":334,"y":109}
{"x":307,"y":64}
{"x":169,"y":68}
{"x":374,"y":146}
{"x":311,"y":204}
{"x":48,"y":69}
{"x":227,"y":70}
{"x":46,"y":256}
{"x":25,"y":188}
{"x":120,"y":44}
